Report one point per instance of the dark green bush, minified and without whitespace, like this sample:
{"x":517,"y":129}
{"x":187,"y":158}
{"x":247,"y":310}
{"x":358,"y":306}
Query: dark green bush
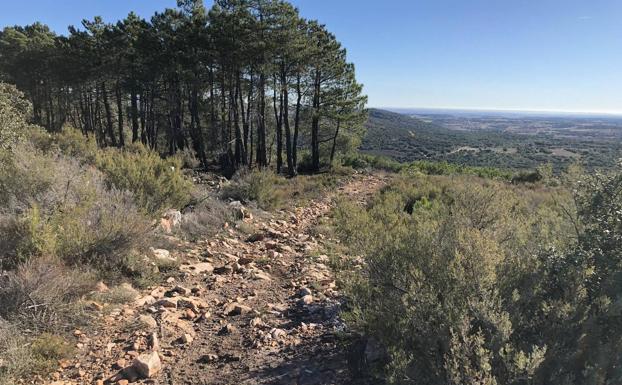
{"x":262,"y":187}
{"x":444,"y":168}
{"x":364,"y":161}
{"x":24,"y":357}
{"x":14,"y":110}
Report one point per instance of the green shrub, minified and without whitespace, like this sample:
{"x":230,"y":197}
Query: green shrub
{"x":270,"y":191}
{"x":446,"y":258}
{"x":188,"y":159}
{"x":357,"y":161}
{"x":364,"y":161}
{"x":22,"y":358}
{"x":73,"y":143}
{"x":55,"y":206}
{"x":444,"y":168}
{"x":47,"y":349}
{"x":156,"y":183}
{"x":15,"y":356}
{"x":262,"y":187}
{"x":25,"y":236}
{"x":27,"y":176}
{"x":14,"y":111}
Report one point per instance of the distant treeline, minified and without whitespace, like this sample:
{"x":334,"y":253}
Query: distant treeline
{"x":244,"y":80}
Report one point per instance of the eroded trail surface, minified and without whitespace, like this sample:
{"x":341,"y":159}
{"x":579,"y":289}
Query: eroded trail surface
{"x":262,"y":309}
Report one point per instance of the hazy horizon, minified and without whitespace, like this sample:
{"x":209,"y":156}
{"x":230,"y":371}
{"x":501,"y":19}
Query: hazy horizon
{"x":536,"y":112}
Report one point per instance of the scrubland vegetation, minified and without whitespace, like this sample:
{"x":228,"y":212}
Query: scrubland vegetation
{"x":471,"y":275}
{"x":70,"y":214}
{"x":503,"y":269}
{"x":470,"y":280}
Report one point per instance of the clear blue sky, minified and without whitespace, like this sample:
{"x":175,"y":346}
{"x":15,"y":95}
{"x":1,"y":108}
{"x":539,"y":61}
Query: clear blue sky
{"x":556,"y":55}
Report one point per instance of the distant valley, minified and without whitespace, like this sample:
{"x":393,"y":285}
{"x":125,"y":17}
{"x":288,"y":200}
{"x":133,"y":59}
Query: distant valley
{"x":498,"y":139}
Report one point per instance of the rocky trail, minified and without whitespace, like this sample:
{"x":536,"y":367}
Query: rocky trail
{"x":262,"y":309}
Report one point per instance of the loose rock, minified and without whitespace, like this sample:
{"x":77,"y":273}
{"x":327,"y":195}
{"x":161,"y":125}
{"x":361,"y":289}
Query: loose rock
{"x":147,"y":365}
{"x":307,"y":299}
{"x":147,"y":321}
{"x":235,"y":308}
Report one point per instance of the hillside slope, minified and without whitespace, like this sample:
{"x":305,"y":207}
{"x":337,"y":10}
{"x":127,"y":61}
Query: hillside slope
{"x":406,"y":138}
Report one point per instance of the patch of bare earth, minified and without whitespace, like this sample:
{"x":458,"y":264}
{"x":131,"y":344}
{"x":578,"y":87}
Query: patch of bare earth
{"x":247,"y":310}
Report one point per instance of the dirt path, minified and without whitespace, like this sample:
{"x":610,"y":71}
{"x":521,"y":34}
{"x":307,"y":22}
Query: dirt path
{"x":268,"y":313}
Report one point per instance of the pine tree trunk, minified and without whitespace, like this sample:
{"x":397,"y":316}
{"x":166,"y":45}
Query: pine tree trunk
{"x":234,"y":97}
{"x":334,"y":147}
{"x":288,"y":134}
{"x":262,"y":158}
{"x":109,"y":124}
{"x":296,"y":122}
{"x":315,"y":126}
{"x":119,"y":95}
{"x":134,"y":106}
{"x":278,"y":117}
{"x":195,"y":126}
{"x":142,"y":112}
{"x":212,"y":108}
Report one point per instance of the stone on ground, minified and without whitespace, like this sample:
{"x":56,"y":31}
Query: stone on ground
{"x":147,"y":365}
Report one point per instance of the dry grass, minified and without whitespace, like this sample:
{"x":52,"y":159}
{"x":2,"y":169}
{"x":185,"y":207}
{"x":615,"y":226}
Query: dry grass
{"x":205,"y":219}
{"x":40,"y":295}
{"x":22,"y":357}
{"x":272,"y":192}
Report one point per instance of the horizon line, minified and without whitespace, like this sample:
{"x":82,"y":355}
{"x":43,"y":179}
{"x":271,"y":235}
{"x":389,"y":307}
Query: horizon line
{"x":511,"y":110}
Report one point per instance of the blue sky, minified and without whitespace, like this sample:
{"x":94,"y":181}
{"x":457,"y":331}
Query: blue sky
{"x":553,"y":55}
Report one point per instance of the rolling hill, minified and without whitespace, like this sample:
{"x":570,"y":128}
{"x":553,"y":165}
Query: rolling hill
{"x":406,"y":138}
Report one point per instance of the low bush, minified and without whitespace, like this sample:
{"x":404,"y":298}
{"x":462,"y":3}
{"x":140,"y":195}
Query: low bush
{"x":47,"y":349}
{"x":156,"y":183}
{"x":55,"y":206}
{"x":14,"y":110}
{"x":271,"y":192}
{"x":205,"y":219}
{"x":444,"y":168}
{"x":22,"y":357}
{"x":73,"y":143}
{"x":448,"y":260}
{"x":40,"y":294}
{"x":262,"y":187}
{"x":121,"y":294}
{"x":363,"y":161}
{"x":188,"y":159}
{"x":15,"y":356}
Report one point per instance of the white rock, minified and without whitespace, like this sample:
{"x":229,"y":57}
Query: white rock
{"x":187,"y":339}
{"x":162,"y":255}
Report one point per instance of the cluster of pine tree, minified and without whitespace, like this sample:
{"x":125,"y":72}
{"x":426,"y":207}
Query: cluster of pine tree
{"x":246,"y":79}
